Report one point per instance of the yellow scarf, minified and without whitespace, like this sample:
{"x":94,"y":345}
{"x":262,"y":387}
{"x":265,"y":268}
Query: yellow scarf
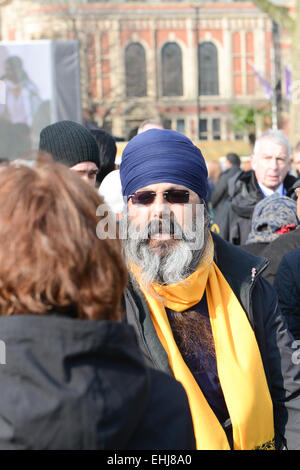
{"x":239,"y":363}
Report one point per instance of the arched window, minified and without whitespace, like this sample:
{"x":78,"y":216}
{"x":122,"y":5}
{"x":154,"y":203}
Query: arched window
{"x":135,"y":70}
{"x":208,"y":76}
{"x":171,"y":70}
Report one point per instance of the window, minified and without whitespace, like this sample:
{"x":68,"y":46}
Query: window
{"x":208,"y":79}
{"x":210,"y":128}
{"x":216,"y":129}
{"x":203,"y":129}
{"x":135,"y":70}
{"x":167,"y":123}
{"x":171,"y":70}
{"x":180,"y":126}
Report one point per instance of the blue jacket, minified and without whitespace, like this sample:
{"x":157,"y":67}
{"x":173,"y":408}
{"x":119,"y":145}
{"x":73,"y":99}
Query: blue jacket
{"x":287,"y":285}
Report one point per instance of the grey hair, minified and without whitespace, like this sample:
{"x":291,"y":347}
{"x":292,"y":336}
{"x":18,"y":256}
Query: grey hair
{"x":172,"y":267}
{"x":276,"y":136}
{"x":149,"y":121}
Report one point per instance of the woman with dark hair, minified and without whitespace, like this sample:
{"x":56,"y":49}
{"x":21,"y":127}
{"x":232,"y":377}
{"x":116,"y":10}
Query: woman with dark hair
{"x":73,"y":376}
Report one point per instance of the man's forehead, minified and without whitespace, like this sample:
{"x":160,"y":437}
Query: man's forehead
{"x":85,"y":166}
{"x":163,"y":186}
{"x":270,"y":148}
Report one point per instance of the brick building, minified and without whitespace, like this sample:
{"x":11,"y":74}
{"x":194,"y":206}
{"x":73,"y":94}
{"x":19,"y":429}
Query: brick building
{"x":183,"y":62}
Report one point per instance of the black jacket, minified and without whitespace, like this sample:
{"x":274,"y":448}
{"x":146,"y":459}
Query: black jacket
{"x":276,"y":249}
{"x":287,"y":285}
{"x":260,"y":303}
{"x":220,"y":192}
{"x":256,"y":249}
{"x":78,"y":384}
{"x":244,"y":193}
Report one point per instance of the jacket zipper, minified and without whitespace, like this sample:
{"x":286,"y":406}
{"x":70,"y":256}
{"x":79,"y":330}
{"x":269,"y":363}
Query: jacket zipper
{"x":255,"y":272}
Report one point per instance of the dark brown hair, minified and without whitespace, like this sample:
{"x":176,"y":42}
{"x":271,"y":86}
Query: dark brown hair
{"x":51,"y":260}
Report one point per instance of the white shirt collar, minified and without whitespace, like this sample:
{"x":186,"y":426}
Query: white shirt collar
{"x":267,"y":191}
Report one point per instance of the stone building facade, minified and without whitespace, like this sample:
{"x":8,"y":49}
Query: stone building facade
{"x":183,"y":62}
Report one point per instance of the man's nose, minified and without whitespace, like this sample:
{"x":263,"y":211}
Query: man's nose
{"x":274,"y":163}
{"x":159,"y":204}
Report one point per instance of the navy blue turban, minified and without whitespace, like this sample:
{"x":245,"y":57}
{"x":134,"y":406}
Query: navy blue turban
{"x":162,"y":156}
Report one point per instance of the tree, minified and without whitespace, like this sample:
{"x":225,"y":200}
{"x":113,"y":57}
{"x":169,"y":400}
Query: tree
{"x":282,"y":16}
{"x":245,"y":119}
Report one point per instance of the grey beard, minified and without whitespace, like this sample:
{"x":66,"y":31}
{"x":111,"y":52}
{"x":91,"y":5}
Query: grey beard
{"x":175,"y":265}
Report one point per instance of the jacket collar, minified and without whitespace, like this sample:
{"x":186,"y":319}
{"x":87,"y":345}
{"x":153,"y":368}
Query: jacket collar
{"x":239,"y":267}
{"x":236,"y":266}
{"x":248,"y":178}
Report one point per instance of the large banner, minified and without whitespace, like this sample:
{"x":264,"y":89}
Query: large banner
{"x":39,"y":85}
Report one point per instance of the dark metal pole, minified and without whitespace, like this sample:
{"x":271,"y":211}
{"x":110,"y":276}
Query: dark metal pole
{"x":198,"y":69}
{"x":277,"y":69}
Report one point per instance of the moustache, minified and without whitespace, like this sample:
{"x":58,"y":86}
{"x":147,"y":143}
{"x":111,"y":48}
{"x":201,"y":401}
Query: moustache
{"x":165,"y":227}
{"x":162,"y":226}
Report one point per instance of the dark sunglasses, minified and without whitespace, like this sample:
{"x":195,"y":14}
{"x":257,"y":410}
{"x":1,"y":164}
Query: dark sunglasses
{"x":173,"y":196}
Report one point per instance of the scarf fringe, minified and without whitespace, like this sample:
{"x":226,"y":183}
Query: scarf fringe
{"x":270,"y":445}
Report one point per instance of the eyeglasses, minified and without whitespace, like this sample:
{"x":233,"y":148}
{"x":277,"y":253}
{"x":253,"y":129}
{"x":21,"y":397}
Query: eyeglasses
{"x":173,"y":196}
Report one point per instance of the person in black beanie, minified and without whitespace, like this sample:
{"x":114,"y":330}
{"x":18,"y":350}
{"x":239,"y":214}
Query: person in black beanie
{"x":73,"y":145}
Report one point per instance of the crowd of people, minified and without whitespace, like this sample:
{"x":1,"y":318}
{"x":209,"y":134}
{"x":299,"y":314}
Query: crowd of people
{"x":176,"y":331}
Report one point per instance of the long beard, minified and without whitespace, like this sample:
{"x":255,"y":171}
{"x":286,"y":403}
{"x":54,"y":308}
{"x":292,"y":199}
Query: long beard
{"x":171,"y":261}
{"x":193,"y":333}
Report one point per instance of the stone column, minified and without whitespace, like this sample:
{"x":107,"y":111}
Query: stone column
{"x":116,"y":54}
{"x":191,"y":61}
{"x":225,"y":63}
{"x":244,"y":61}
{"x":260,"y":53}
{"x":152,"y":68}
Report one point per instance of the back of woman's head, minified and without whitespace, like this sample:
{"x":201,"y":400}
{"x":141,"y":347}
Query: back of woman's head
{"x":51,"y":260}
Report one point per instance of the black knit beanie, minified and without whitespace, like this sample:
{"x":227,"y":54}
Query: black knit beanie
{"x":69,"y":143}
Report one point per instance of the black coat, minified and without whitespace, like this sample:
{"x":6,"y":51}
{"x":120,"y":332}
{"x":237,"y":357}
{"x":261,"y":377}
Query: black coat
{"x":276,"y":249}
{"x":256,"y":249}
{"x":287,"y":285}
{"x":234,"y":222}
{"x":275,"y":342}
{"x":78,"y":384}
{"x":220,"y":192}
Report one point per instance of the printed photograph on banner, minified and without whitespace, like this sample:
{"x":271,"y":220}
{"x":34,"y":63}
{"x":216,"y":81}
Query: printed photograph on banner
{"x":34,"y":84}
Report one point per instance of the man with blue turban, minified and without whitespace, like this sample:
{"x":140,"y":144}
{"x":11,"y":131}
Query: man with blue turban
{"x":201,"y":310}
